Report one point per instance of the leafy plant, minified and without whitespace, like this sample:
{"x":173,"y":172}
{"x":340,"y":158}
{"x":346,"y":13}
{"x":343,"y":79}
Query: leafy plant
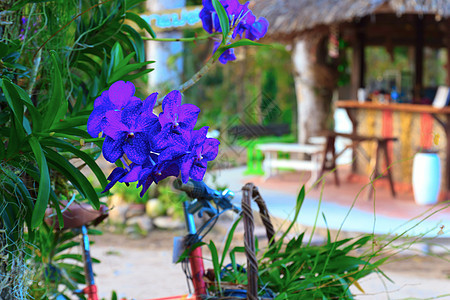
{"x":58,"y":271}
{"x":295,"y":269}
{"x":45,"y":100}
{"x":172,"y":202}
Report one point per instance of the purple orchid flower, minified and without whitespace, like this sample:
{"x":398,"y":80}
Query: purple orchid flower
{"x":176,"y":121}
{"x":227,"y":55}
{"x":158,"y":147}
{"x":240,"y":17}
{"x":257,"y":30}
{"x":116,"y":98}
{"x":127,"y":131}
{"x":155,"y":174}
{"x":201,"y":150}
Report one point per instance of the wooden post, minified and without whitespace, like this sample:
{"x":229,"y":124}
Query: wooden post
{"x":447,"y":45}
{"x":418,"y":57}
{"x":357,"y":81}
{"x":358,"y":64}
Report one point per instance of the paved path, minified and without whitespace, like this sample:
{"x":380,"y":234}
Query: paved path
{"x":281,"y":204}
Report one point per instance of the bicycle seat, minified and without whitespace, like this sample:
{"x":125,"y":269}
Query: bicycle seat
{"x":77,"y":215}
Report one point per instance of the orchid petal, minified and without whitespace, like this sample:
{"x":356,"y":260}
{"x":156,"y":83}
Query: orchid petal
{"x":115,"y":176}
{"x":133,"y":174}
{"x":226,"y":56}
{"x":185,"y":168}
{"x":120,"y":93}
{"x":149,"y":102}
{"x":199,"y":136}
{"x":210,"y":149}
{"x":114,"y":127}
{"x":171,"y":153}
{"x":171,"y":101}
{"x":145,"y":181}
{"x":94,"y":124}
{"x":112,"y":149}
{"x":103,"y":100}
{"x":137,"y":148}
{"x":130,"y":113}
{"x":187,"y":116}
{"x":198,"y":171}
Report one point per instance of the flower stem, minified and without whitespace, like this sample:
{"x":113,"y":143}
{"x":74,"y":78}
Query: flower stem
{"x":196,"y":77}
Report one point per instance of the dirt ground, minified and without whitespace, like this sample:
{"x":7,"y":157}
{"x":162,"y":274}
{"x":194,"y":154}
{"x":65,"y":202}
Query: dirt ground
{"x":142,"y":269}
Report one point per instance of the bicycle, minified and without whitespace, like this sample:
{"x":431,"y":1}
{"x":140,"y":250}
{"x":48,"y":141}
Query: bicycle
{"x":81,"y":216}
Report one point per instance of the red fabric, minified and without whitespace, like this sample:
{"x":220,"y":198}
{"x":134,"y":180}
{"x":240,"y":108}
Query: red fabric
{"x":387,"y":130}
{"x":426,"y":131}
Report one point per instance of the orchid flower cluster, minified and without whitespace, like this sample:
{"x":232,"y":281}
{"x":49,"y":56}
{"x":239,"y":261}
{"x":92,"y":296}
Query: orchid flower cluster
{"x":241,"y":20}
{"x":157,"y":146}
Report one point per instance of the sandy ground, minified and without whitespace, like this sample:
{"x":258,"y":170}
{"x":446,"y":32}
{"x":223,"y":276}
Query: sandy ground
{"x":143,"y":269}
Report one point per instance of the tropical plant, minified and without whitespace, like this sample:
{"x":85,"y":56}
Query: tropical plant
{"x":295,"y":269}
{"x":57,"y":57}
{"x":58,"y":266}
{"x":45,"y":100}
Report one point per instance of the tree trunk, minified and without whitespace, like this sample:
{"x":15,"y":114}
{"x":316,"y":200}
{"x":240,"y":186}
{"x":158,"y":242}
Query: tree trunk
{"x":315,"y":80}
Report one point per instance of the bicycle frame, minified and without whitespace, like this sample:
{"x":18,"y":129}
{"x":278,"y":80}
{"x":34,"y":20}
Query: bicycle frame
{"x":91,"y":289}
{"x":195,"y":257}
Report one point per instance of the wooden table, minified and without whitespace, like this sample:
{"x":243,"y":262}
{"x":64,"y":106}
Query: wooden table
{"x":329,"y":164}
{"x":351,"y":105}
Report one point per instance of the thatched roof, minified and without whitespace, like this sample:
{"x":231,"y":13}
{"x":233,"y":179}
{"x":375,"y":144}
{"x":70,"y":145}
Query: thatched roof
{"x":287,"y":17}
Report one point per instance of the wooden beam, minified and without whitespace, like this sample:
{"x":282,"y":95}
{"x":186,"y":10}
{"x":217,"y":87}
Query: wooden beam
{"x":418,"y":55}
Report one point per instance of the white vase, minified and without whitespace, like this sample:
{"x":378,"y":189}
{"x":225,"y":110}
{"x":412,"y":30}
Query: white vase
{"x":426,"y":178}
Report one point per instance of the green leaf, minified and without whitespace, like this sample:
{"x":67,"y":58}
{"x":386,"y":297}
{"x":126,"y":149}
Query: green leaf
{"x":140,"y":22}
{"x":116,"y":57}
{"x":240,"y":43}
{"x":36,"y":117}
{"x":2,"y":150}
{"x":57,"y":105}
{"x":137,"y":75}
{"x":215,"y":260}
{"x":223,"y":19}
{"x":125,"y":61}
{"x":113,"y":295}
{"x":55,"y":201}
{"x":69,"y":123}
{"x":298,"y":206}
{"x":44,"y":184}
{"x":74,"y":175}
{"x":53,"y":142}
{"x":188,"y":251}
{"x":77,"y":257}
{"x":118,"y":74}
{"x":138,"y":44}
{"x":65,"y":246}
{"x":14,"y":100}
{"x":229,"y":240}
{"x":244,"y":42}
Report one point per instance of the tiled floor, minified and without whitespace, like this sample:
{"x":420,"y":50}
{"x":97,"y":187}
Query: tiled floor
{"x":353,"y":190}
{"x":345,"y":207}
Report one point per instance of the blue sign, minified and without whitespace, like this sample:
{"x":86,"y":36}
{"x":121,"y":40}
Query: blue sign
{"x":174,"y":18}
